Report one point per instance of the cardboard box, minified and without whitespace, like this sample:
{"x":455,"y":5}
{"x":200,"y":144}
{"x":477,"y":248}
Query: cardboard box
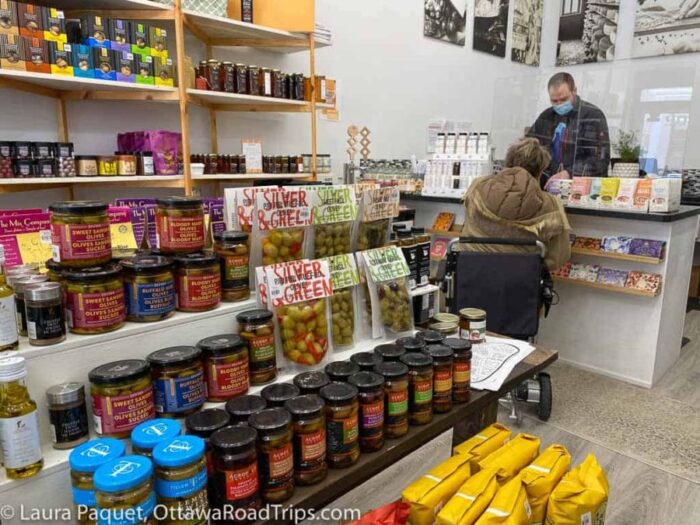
{"x":125,"y":65}
{"x":83,"y":65}
{"x":642,"y":195}
{"x":95,"y":31}
{"x":36,"y":51}
{"x":8,"y":18}
{"x":30,"y":20}
{"x":120,"y":34}
{"x":625,"y":193}
{"x":12,"y":53}
{"x":608,"y":191}
{"x":139,"y":39}
{"x":61,"y":58}
{"x":158,"y":40}
{"x":665,"y":195}
{"x":580,"y":188}
{"x":145,"y":70}
{"x":104,"y":62}
{"x":164,"y":72}
{"x":54,"y":22}
{"x":290,"y":15}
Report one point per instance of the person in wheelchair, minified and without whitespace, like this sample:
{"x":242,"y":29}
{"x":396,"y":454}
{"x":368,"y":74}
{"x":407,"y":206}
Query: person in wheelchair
{"x":511,"y":204}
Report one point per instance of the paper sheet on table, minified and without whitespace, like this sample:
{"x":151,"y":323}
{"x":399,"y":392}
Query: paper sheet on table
{"x":494,"y":360}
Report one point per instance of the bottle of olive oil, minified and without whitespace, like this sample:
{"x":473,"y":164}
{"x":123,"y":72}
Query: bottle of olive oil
{"x":19,"y":421}
{"x":9,"y":338}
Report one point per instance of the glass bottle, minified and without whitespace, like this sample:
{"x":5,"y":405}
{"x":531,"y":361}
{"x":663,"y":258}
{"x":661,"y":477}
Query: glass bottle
{"x":9,"y":338}
{"x":19,"y":421}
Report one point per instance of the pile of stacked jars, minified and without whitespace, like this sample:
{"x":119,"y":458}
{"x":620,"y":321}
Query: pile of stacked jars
{"x":242,"y":79}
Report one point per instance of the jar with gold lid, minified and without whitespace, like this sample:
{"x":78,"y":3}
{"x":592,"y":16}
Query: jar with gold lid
{"x":80,"y":233}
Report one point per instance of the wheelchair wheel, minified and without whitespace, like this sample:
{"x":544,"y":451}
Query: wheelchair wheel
{"x":544,"y":407}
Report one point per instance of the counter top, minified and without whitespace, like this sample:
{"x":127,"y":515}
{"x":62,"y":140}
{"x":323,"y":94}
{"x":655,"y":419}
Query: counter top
{"x":683,"y":213}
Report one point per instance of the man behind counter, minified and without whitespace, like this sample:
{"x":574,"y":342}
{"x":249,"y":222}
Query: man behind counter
{"x":574,"y":131}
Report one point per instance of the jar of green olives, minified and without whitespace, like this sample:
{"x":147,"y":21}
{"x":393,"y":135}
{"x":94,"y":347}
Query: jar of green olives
{"x":225,"y":360}
{"x":275,"y":453}
{"x":389,"y":352}
{"x":461,"y":369}
{"x":197,"y":282}
{"x":80,"y":233}
{"x":122,"y":397}
{"x":53,"y":271}
{"x":309,"y":424}
{"x":148,"y":434}
{"x":84,"y":461}
{"x":371,"y":398}
{"x":203,"y":424}
{"x":340,"y":371}
{"x":342,"y":428}
{"x":420,"y":387}
{"x":125,"y":485}
{"x":257,"y":328}
{"x":366,"y":360}
{"x":443,"y":358}
{"x":395,"y":397}
{"x":343,"y":317}
{"x":181,"y":480}
{"x":149,"y":288}
{"x":277,"y":394}
{"x":178,"y":380}
{"x":232,"y":249}
{"x":94,"y":299}
{"x":179,"y":224}
{"x":242,"y":407}
{"x":311,"y":382}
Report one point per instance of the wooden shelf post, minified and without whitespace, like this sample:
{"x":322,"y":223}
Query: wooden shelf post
{"x":312,"y":72}
{"x":182,"y":89}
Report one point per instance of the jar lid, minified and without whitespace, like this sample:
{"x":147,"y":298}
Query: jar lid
{"x":341,"y":370}
{"x":439,"y":351}
{"x":389,"y":351}
{"x":79,"y":207}
{"x":195,"y":260}
{"x":178,"y":452}
{"x":233,"y":439}
{"x":221,"y":344}
{"x":270,"y":419}
{"x":180,"y":202}
{"x":304,"y":405}
{"x":93,"y":273}
{"x":416,"y":359}
{"x":254,"y":316}
{"x":366,"y":359}
{"x":391,"y":369}
{"x":148,"y":434}
{"x":244,"y":406}
{"x":12,"y":368}
{"x":147,"y":263}
{"x":206,"y":422}
{"x":174,"y":355}
{"x":448,"y":327}
{"x":19,"y":268}
{"x":339,"y":392}
{"x":366,"y":380}
{"x":431,"y":337}
{"x":53,"y":266}
{"x":123,"y":473}
{"x":43,"y":291}
{"x":86,"y":157}
{"x":313,"y":380}
{"x":89,"y":456}
{"x":411,"y":344}
{"x":446,"y":317}
{"x":65,"y":393}
{"x":118,"y":371}
{"x":472,"y":313}
{"x":231,"y":236}
{"x":22,"y":282}
{"x":458,"y":345}
{"x":278,"y":393}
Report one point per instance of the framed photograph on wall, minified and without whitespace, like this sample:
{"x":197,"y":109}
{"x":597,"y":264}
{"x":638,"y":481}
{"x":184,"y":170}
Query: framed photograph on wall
{"x":490,"y":26}
{"x":666,"y":28}
{"x":527,"y":32}
{"x":445,"y":20}
{"x":587,"y":31}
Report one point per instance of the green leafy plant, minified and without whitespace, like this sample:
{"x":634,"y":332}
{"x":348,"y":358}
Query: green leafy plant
{"x":627,"y":146}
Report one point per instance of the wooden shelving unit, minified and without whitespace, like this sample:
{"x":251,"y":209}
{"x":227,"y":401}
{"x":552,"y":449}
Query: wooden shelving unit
{"x":606,"y":287}
{"x":213,"y":31}
{"x":619,"y":256}
{"x":251,"y":176}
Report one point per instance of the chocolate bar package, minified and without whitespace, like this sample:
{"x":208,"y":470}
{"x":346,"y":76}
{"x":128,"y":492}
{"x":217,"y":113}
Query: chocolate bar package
{"x":612,"y":277}
{"x":625,"y":193}
{"x":616,"y":244}
{"x":647,"y":248}
{"x":642,"y":195}
{"x":104,"y":62}
{"x":36,"y":50}
{"x":564,"y":271}
{"x":592,"y":200}
{"x":60,"y":57}
{"x":139,"y":39}
{"x":54,"y":22}
{"x":648,"y":282}
{"x":8,"y":18}
{"x":587,"y":243}
{"x":119,"y":34}
{"x":584,"y":272}
{"x":145,"y":70}
{"x":158,"y":39}
{"x":83,"y":65}
{"x":29,"y":20}
{"x":12,"y":53}
{"x":164,"y":72}
{"x":95,"y":31}
{"x":126,"y":66}
{"x":580,"y":188}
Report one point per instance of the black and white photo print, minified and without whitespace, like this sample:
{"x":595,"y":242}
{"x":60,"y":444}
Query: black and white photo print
{"x":666,"y":27}
{"x":490,"y":26}
{"x":527,"y":32}
{"x":446,"y":21}
{"x":587,"y":31}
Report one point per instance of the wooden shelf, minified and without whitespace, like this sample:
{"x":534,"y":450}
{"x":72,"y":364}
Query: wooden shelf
{"x":221,"y":101}
{"x":33,"y":184}
{"x":101,"y":5}
{"x":441,"y":233}
{"x":619,"y":256}
{"x":606,"y":287}
{"x":245,"y":177}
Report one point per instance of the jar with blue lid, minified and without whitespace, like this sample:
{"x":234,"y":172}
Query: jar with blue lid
{"x":181,"y":480}
{"x":148,"y":434}
{"x":124,"y":492}
{"x":84,"y":461}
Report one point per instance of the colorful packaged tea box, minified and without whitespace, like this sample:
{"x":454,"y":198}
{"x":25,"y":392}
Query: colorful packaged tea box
{"x":580,"y":188}
{"x":30,"y":20}
{"x":119,"y":34}
{"x":60,"y":56}
{"x":164,"y":72}
{"x":139,"y":39}
{"x":12,"y":53}
{"x":8,"y":18}
{"x":54,"y":23}
{"x":665,"y":195}
{"x":36,"y":51}
{"x":608,"y":191}
{"x":103,"y":60}
{"x":625,"y":194}
{"x":83,"y":65}
{"x":158,"y":39}
{"x":642,"y":195}
{"x":125,"y":66}
{"x":145,"y":70}
{"x":95,"y":31}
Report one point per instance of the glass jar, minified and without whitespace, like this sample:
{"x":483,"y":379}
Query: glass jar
{"x":126,"y":483}
{"x":80,"y":233}
{"x":86,"y":165}
{"x":242,"y":407}
{"x":45,"y":315}
{"x":212,"y":75}
{"x":420,"y":387}
{"x":443,"y":358}
{"x":126,"y":165}
{"x":396,"y":397}
{"x":258,"y":329}
{"x":84,"y":461}
{"x":411,"y":344}
{"x":431,"y":337}
{"x":235,"y":483}
{"x":253,"y":80}
{"x":275,"y":453}
{"x":18,"y":286}
{"x":311,"y":382}
{"x":340,"y":371}
{"x":461,"y":369}
{"x":472,"y":325}
{"x":148,"y":434}
{"x":198,"y":282}
{"x":67,"y":415}
{"x":203,"y":424}
{"x":179,"y":225}
{"x":181,"y":480}
{"x":277,"y":394}
{"x":371,"y":398}
{"x":446,"y":328}
{"x":226,"y":362}
{"x":54,"y":272}
{"x":227,"y":77}
{"x":265,"y":82}
{"x":342,"y":427}
{"x":241,"y":72}
{"x":178,"y":380}
{"x":232,"y":249}
{"x":107,"y":165}
{"x":309,"y":422}
{"x":366,"y":360}
{"x":280,"y":164}
{"x":389,"y":352}
{"x":149,"y":288}
{"x":277,"y":81}
{"x":94,"y":299}
{"x":122,"y":397}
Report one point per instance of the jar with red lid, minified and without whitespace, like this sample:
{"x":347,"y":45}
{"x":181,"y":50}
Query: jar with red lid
{"x":443,"y":358}
{"x":80,"y":233}
{"x":225,"y":361}
{"x":309,"y":425}
{"x":371,"y":398}
{"x":197,"y":282}
{"x":461,"y":369}
{"x":395,"y":397}
{"x":275,"y":453}
{"x":179,"y":225}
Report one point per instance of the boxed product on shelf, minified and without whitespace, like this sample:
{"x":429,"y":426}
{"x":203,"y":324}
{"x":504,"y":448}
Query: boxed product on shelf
{"x":60,"y":58}
{"x":119,"y":34}
{"x":12,"y":53}
{"x":30,"y":20}
{"x":95,"y":31}
{"x":36,"y":51}
{"x":164,"y":72}
{"x":665,"y":194}
{"x":166,"y":147}
{"x":642,"y":195}
{"x":625,"y":193}
{"x":608,"y":191}
{"x":158,"y":41}
{"x":647,"y":282}
{"x":592,"y":200}
{"x":125,"y":65}
{"x":612,"y":277}
{"x":647,"y":248}
{"x":580,"y":188}
{"x":54,"y":23}
{"x":103,"y":60}
{"x":587,"y":243}
{"x":616,"y":244}
{"x":26,"y":238}
{"x":584,"y":272}
{"x":139,"y":38}
{"x":8,"y":18}
{"x":83,"y":65}
{"x":145,"y":70}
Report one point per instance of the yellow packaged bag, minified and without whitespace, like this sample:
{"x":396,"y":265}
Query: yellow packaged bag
{"x":484,"y":443}
{"x":428,"y":494}
{"x":512,"y":457}
{"x":509,"y":506}
{"x":471,"y":500}
{"x":542,"y":475}
{"x":580,"y":497}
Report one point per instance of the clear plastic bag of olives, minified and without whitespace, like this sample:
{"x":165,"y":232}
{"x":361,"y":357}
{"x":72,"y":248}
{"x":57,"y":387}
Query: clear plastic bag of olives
{"x":343,"y":318}
{"x":392,"y":307}
{"x":303,"y":333}
{"x":280,"y":246}
{"x":333,"y":239}
{"x":373,"y":234}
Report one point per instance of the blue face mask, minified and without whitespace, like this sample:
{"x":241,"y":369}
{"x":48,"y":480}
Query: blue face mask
{"x":563,"y":109}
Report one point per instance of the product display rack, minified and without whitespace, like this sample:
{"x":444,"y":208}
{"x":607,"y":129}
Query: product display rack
{"x":620,"y":256}
{"x":607,"y":287}
{"x":230,"y":33}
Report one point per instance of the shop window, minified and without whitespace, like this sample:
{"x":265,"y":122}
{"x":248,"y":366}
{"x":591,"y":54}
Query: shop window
{"x":571,"y":7}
